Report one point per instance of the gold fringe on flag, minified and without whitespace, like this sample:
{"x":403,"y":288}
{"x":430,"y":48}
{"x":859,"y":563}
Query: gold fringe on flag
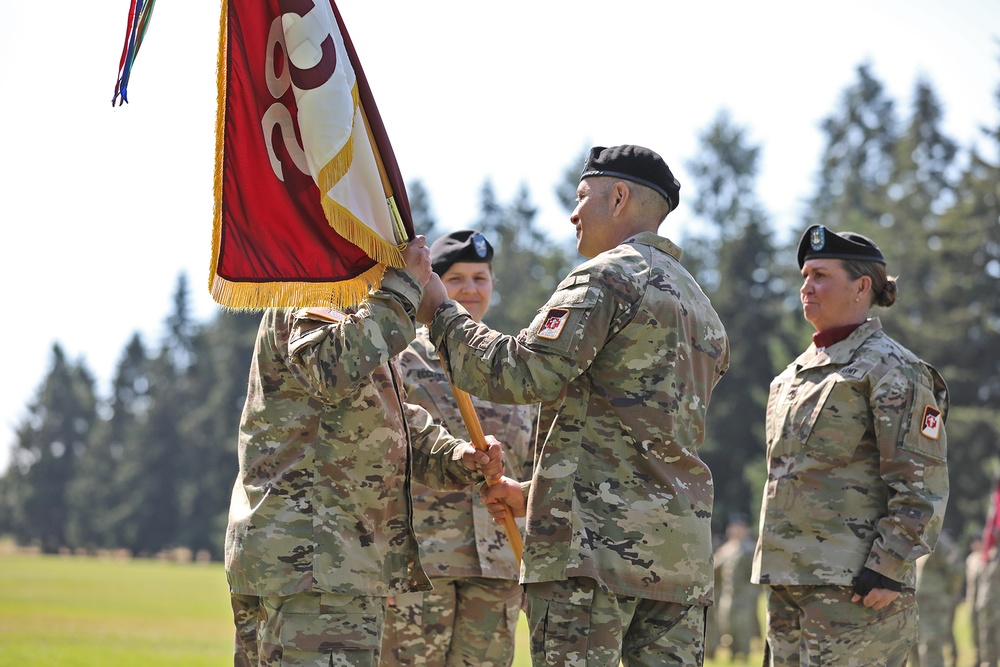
{"x":340,"y":218}
{"x":255,"y":296}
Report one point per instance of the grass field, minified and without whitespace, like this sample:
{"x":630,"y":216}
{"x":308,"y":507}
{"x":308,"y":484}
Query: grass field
{"x":94,"y":612}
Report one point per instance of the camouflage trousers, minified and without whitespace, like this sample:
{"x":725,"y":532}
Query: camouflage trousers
{"x":819,"y":625}
{"x":307,"y":629}
{"x":574,"y":623}
{"x":463,"y":622}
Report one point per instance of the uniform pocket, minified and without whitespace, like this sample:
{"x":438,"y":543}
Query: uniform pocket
{"x":558,"y":324}
{"x":885,"y":641}
{"x":839,"y":422}
{"x":343,"y":623}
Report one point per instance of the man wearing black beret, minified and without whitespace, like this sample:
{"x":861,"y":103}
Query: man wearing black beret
{"x":623,"y":357}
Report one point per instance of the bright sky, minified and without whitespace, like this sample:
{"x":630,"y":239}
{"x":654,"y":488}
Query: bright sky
{"x":103,"y":208}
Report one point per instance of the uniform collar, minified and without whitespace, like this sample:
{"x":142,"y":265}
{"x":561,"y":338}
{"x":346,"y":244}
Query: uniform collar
{"x":658,"y":242}
{"x":835,"y":335}
{"x":842,"y":352}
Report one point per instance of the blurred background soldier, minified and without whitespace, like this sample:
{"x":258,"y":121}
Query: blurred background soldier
{"x":737,"y":596}
{"x":987,"y":605}
{"x":973,"y":569}
{"x":940,"y":576}
{"x":988,"y":610}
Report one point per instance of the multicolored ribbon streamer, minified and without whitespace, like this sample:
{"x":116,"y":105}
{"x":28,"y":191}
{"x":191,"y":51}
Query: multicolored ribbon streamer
{"x":138,"y":22}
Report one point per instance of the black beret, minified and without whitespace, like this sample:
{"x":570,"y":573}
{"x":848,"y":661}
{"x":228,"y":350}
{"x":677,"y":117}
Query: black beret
{"x":634,"y":163}
{"x":464,"y":246}
{"x":820,"y":242}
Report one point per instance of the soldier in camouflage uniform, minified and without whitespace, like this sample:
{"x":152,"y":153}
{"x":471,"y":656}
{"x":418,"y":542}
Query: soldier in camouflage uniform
{"x":857,"y":480}
{"x":470,"y":618}
{"x":624,"y":357}
{"x":320,"y":523}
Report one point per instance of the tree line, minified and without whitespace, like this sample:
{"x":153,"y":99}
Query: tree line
{"x":151,"y":466}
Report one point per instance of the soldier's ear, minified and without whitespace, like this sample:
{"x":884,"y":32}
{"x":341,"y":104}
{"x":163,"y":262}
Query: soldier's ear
{"x":864,"y":285}
{"x":619,"y":196}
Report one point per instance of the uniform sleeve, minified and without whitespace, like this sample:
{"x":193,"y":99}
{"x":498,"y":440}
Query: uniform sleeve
{"x":437,"y":455}
{"x":909,"y":427}
{"x":330,"y":357}
{"x":528,"y":460}
{"x":559,"y":345}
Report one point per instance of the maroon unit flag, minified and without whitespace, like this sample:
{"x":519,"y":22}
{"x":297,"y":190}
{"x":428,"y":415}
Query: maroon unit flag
{"x":309,"y":204}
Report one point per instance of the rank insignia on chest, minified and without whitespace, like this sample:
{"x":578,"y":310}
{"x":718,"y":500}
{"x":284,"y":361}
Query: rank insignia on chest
{"x":553,"y":324}
{"x":930,"y":426}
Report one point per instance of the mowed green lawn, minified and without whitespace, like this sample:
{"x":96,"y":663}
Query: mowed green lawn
{"x":79,"y":611}
{"x":93,"y":612}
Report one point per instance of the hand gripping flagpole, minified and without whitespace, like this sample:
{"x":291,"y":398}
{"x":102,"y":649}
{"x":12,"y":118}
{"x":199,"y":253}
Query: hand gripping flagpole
{"x":479,"y":441}
{"x":465,"y":406}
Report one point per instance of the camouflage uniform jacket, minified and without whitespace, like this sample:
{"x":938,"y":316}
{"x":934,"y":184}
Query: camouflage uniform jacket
{"x":624,"y":355}
{"x":457,"y":536}
{"x":856,"y":464}
{"x":321,"y":501}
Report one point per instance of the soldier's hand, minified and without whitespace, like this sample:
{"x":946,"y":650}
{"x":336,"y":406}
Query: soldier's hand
{"x":503,"y":497}
{"x":418,"y":259}
{"x":875,"y":590}
{"x":435,"y":293}
{"x":489,"y":462}
{"x":877,"y":598}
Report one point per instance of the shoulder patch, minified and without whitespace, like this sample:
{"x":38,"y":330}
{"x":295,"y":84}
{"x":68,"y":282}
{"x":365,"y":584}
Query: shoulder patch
{"x":930,"y":425}
{"x":553,"y":324}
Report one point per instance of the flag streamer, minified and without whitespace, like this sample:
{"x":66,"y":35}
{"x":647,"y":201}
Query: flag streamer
{"x":138,"y":22}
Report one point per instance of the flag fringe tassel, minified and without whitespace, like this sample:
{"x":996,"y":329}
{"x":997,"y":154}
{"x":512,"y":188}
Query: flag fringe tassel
{"x":256,"y":296}
{"x":340,"y":218}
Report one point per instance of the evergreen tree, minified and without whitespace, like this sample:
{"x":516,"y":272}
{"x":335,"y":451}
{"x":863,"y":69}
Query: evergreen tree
{"x":908,"y":228}
{"x":158,"y":458}
{"x":210,"y":430}
{"x":97,"y":493}
{"x":49,"y":443}
{"x":964,"y":325}
{"x":858,"y":160}
{"x":565,"y":189}
{"x":424,"y":220}
{"x":527,"y":264}
{"x":747,"y":295}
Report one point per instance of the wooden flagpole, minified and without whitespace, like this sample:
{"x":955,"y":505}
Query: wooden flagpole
{"x":465,"y":406}
{"x":479,"y":441}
